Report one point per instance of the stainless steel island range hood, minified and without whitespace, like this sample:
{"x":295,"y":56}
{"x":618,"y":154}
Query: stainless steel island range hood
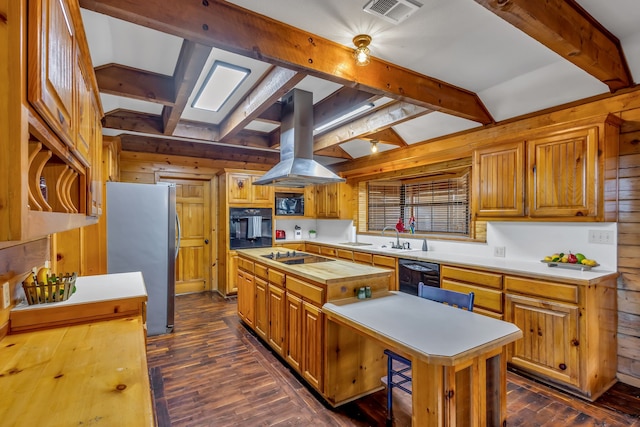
{"x":297,"y":167}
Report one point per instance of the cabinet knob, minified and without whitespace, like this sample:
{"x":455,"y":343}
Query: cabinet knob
{"x":206,"y":241}
{"x":562,"y":366}
{"x":575,"y":342}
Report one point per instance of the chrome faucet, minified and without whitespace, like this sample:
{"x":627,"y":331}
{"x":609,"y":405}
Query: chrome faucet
{"x":397,"y":245}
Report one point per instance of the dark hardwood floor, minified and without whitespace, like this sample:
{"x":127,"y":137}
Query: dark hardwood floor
{"x":212,"y":371}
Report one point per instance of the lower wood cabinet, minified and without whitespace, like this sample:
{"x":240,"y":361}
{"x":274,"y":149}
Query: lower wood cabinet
{"x":277,"y":312}
{"x":246,"y":292}
{"x":261,"y":317}
{"x":569,"y":332}
{"x":293,"y":353}
{"x":312,"y":348}
{"x":486,"y":286}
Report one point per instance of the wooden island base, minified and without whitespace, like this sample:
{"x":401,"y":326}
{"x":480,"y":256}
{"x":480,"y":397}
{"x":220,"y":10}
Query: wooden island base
{"x":458,"y":358}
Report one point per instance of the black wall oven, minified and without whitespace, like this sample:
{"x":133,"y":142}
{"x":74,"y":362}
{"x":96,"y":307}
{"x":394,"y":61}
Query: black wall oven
{"x":250,"y":228}
{"x":412,"y":272}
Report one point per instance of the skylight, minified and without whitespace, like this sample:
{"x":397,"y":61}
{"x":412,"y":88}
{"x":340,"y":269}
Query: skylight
{"x":344,"y":117}
{"x":222,"y":81}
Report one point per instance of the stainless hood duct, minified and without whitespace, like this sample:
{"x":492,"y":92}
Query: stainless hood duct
{"x":297,"y":167}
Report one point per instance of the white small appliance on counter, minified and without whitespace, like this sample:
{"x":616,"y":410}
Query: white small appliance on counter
{"x":297,"y":233}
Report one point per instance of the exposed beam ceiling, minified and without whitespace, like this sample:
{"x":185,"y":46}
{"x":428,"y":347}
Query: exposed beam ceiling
{"x":192,"y":58}
{"x":387,"y":136}
{"x":567,"y":29}
{"x":121,"y":80}
{"x":228,"y":27}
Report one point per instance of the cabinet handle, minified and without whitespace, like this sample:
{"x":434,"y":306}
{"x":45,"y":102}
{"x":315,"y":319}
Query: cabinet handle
{"x":562,"y":366}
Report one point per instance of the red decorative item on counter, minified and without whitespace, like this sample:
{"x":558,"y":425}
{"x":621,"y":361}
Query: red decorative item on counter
{"x":400,"y":226}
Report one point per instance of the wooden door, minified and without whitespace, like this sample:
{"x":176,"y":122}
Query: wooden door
{"x":550,"y":343}
{"x":312,"y":345}
{"x":562,"y":174}
{"x":294,"y":337}
{"x":193,"y":207}
{"x":277,"y":318}
{"x":498,"y":180}
{"x":52,"y":63}
{"x":261,"y":317}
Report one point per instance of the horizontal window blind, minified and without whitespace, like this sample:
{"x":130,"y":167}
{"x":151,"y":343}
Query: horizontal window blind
{"x":436,"y":205}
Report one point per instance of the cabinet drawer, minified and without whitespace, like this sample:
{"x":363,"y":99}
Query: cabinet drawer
{"x":311,"y":248}
{"x":331,"y":252}
{"x":482,"y":278}
{"x":261,"y":271}
{"x":344,"y":254}
{"x":277,"y":278}
{"x":384,"y":261}
{"x":363,"y":257}
{"x":245,"y":264}
{"x":550,"y":290}
{"x":483,"y":298}
{"x":306,"y":290}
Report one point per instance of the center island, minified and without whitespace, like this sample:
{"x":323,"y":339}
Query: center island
{"x":308,"y":311}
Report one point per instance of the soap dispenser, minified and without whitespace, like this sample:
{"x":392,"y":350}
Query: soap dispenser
{"x":424,"y":245}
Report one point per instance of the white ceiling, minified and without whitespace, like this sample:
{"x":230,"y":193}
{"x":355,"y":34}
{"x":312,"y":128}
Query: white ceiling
{"x":457,"y":41}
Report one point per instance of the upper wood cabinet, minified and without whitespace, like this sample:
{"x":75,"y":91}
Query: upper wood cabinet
{"x":333,"y":201}
{"x":241,"y":191}
{"x":563,"y":174}
{"x":50,"y":135}
{"x":498,"y":180}
{"x":568,"y":174}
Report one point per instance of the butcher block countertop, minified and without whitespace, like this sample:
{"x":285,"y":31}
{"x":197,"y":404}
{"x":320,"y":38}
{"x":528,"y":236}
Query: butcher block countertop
{"x":84,"y":375}
{"x":327,"y":273}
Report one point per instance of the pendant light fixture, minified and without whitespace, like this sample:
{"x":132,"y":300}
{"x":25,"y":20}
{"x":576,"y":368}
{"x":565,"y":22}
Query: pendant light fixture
{"x":362,"y":53}
{"x":374,"y":145}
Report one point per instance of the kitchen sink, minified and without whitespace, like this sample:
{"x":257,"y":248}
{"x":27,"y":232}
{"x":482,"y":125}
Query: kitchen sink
{"x":356,"y":244}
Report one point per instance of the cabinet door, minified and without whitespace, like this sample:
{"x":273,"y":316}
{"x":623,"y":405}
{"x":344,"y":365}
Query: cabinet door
{"x":232,"y":284}
{"x":261,"y":194}
{"x":321,"y":201}
{"x":549,"y":345}
{"x":562,"y":175}
{"x":498,"y":180}
{"x":246,"y":297}
{"x":332,"y":202}
{"x":261,"y":319}
{"x":52,"y":64}
{"x":239,"y":187}
{"x":312,"y":345}
{"x":242,"y":296}
{"x":277,"y":316}
{"x":85,"y":112}
{"x":293,"y":341}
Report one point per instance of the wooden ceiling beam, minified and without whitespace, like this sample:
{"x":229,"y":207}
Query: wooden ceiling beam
{"x":228,"y":27}
{"x":570,"y":31}
{"x":120,"y":80}
{"x":275,"y":84}
{"x":216,"y":151}
{"x":133,"y":121}
{"x":390,"y":115}
{"x":191,"y":61}
{"x":334,"y":151}
{"x":387,"y":136}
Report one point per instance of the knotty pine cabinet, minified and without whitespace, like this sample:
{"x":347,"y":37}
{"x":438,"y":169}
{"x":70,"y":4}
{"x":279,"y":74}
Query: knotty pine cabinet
{"x":566,"y":174}
{"x":53,"y":126}
{"x":246,"y":292}
{"x":486,"y":286}
{"x":334,"y":201}
{"x":241,"y":190}
{"x":276,"y":311}
{"x":569,"y":332}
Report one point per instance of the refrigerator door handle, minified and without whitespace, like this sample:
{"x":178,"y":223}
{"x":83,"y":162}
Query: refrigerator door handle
{"x":179,"y":236}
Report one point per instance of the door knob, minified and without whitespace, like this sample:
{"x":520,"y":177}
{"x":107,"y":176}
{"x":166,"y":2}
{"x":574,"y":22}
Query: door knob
{"x":206,"y":241}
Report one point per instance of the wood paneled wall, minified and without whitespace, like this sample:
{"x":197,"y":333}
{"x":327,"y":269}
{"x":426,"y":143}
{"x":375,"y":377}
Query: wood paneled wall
{"x":629,"y":249}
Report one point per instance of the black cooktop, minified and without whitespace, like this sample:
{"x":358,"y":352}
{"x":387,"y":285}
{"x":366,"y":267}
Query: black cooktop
{"x":296,"y":257}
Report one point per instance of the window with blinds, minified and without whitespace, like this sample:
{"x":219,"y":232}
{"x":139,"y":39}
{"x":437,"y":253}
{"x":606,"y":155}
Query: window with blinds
{"x":435,"y":205}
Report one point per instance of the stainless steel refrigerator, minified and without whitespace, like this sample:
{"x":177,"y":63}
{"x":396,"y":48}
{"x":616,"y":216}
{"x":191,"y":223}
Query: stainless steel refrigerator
{"x":143,"y":235}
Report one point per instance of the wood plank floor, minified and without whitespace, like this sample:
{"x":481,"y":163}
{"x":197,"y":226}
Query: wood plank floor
{"x":212,"y":371}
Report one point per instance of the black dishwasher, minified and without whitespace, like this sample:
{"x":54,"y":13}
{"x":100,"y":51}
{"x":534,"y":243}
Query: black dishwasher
{"x":412,"y":272}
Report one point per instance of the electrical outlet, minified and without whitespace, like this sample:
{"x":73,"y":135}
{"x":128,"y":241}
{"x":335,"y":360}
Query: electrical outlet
{"x":6,"y":295}
{"x":499,"y":251}
{"x":601,"y":236}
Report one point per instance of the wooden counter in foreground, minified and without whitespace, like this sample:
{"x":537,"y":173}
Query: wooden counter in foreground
{"x":84,"y":375}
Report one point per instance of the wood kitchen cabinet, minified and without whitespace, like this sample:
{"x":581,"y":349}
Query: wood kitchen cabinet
{"x":293,"y":343}
{"x":334,"y":201}
{"x":562,"y":174}
{"x":44,"y":135}
{"x":241,"y":190}
{"x":246,"y":291}
{"x":261,"y":313}
{"x":277,"y":306}
{"x":486,"y":286}
{"x":498,"y":180}
{"x":312,"y":335}
{"x":569,"y":332}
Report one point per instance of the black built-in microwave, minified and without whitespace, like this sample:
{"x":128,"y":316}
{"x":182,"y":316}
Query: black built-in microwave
{"x":289,"y":204}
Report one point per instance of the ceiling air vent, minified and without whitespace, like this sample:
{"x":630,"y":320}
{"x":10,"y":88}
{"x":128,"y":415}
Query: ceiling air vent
{"x":394,"y":11}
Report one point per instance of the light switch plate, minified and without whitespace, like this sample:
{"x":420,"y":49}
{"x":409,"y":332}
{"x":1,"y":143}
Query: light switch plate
{"x":499,"y":251}
{"x":6,"y":295}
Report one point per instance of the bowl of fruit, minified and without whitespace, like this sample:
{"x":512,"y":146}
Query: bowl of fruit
{"x":575,"y":261}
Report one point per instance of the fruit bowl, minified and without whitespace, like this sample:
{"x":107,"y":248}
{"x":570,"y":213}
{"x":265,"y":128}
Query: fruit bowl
{"x":569,"y":265}
{"x":54,"y":289}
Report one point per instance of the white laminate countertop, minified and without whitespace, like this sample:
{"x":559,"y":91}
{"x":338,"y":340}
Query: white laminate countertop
{"x":104,"y":287}
{"x":436,"y":332}
{"x":503,"y":265}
